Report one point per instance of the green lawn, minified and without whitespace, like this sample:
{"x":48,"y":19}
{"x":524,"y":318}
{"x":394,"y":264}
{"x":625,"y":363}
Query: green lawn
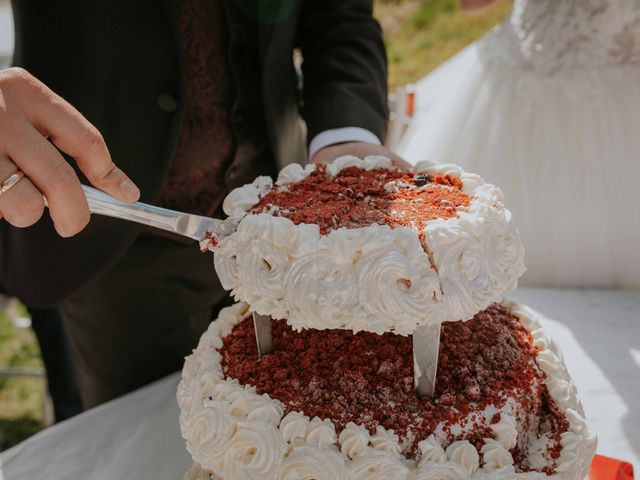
{"x":21,"y":399}
{"x":420,"y":34}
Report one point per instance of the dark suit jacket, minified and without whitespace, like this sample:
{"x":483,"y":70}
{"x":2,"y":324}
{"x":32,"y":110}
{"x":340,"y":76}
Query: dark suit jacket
{"x":119,"y":63}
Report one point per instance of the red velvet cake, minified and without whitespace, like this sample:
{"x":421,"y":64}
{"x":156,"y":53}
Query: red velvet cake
{"x":349,"y":259}
{"x":358,"y":198}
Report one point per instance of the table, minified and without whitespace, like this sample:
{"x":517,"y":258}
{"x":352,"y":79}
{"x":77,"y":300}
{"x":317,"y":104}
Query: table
{"x":136,"y":437}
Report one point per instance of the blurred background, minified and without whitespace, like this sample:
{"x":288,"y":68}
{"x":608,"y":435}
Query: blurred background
{"x":420,"y":35}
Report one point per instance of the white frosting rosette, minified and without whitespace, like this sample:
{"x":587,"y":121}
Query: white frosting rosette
{"x":306,"y":462}
{"x":207,"y":434}
{"x":196,"y":472}
{"x":379,"y":466}
{"x":255,"y":451}
{"x":372,"y":278}
{"x":233,"y":433}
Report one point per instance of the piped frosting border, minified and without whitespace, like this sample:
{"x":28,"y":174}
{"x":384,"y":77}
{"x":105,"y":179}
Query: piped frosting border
{"x":372,"y":278}
{"x":234,"y":433}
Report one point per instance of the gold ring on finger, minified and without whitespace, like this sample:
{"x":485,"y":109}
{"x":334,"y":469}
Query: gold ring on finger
{"x":10,"y":181}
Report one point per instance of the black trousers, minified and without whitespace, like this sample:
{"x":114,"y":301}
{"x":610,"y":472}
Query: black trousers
{"x":137,"y":322}
{"x":61,"y":376}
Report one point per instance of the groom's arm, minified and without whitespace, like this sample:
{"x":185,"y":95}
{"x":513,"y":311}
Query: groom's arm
{"x":345,"y":75}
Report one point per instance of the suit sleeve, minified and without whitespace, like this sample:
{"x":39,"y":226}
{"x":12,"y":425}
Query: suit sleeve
{"x":344,"y":67}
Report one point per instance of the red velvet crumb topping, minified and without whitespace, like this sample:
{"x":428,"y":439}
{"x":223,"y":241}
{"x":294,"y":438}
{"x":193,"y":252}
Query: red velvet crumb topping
{"x":209,"y":241}
{"x":357,"y":198}
{"x":368,"y":379}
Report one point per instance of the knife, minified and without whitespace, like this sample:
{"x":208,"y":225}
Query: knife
{"x":195,"y":227}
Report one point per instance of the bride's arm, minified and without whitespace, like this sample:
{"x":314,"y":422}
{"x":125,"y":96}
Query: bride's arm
{"x":476,"y":6}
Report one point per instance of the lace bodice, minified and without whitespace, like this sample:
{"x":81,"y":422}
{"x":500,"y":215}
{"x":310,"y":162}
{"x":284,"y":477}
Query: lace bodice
{"x":560,"y":36}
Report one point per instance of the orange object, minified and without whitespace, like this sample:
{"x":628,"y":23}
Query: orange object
{"x":606,"y":468}
{"x":411,"y":103}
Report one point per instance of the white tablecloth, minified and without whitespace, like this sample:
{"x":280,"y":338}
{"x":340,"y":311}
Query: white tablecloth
{"x":136,"y":437}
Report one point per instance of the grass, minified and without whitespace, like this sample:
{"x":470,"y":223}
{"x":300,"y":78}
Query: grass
{"x":420,"y":35}
{"x":21,"y":399}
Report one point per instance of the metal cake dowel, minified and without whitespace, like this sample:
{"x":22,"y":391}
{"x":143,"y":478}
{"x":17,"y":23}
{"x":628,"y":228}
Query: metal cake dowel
{"x":262,"y":327}
{"x":426,"y":345}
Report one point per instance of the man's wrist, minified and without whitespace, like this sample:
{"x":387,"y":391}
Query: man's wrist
{"x":341,"y":135}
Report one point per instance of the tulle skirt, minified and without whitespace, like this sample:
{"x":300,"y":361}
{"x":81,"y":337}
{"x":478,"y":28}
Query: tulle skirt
{"x":565,"y":149}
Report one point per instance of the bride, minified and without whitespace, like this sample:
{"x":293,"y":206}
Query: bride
{"x":547,"y":106}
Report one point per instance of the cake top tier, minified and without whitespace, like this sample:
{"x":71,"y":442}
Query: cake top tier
{"x":359,"y":245}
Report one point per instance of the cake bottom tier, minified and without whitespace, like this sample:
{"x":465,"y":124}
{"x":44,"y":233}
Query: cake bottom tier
{"x":331,"y":404}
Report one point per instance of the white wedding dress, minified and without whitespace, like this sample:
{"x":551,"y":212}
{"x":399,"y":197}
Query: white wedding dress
{"x":547,"y":106}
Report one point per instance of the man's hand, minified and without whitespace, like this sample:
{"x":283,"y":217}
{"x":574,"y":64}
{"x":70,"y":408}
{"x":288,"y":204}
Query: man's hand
{"x":32,"y":120}
{"x":358,"y":149}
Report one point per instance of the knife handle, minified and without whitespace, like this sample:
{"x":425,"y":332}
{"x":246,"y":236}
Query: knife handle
{"x":104,"y":204}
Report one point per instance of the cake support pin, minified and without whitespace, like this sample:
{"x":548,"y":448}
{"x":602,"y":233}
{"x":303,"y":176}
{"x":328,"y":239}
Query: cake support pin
{"x":262,"y":327}
{"x":426,"y":345}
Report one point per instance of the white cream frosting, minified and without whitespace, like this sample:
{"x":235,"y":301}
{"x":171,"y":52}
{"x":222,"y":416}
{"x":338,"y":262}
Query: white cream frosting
{"x":294,"y":427}
{"x":255,"y":451}
{"x":354,"y":439}
{"x":505,"y":431}
{"x":431,"y":451}
{"x":464,"y":454}
{"x":372,"y":278}
{"x":243,"y":198}
{"x":294,"y":172}
{"x":579,"y":445}
{"x":233,"y":432}
{"x":386,"y":441}
{"x":207,"y":433}
{"x":305,"y":462}
{"x":321,"y":433}
{"x":495,"y":456}
{"x":196,"y":472}
{"x":379,"y":466}
{"x":442,"y":471}
{"x":507,"y":473}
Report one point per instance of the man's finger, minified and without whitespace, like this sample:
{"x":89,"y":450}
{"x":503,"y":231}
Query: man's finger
{"x":401,"y":164}
{"x":76,"y":136}
{"x":22,"y":205}
{"x":52,"y":175}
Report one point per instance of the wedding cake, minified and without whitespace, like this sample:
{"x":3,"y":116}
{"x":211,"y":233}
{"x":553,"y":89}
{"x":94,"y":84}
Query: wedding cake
{"x":349,"y":259}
